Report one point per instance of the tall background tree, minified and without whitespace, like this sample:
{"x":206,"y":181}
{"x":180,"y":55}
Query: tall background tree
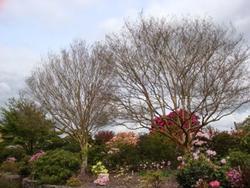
{"x":24,"y":123}
{"x":191,"y":67}
{"x":75,"y":87}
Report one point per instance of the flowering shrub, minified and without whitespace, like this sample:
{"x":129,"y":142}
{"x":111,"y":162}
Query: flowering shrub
{"x":234,"y":177}
{"x":241,"y":159}
{"x":199,"y":170}
{"x":123,"y":138}
{"x":191,"y":171}
{"x":178,"y":118}
{"x":37,"y":155}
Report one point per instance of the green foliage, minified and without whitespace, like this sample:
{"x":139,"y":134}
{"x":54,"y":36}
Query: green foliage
{"x":127,"y":156}
{"x":201,"y":168}
{"x":9,"y":167}
{"x":242,"y":160}
{"x":25,"y":167}
{"x":245,"y":143}
{"x":12,"y":151}
{"x":154,"y":178}
{"x":223,"y":142}
{"x":73,"y":182}
{"x":25,"y":124}
{"x":56,"y":167}
{"x":96,"y":153}
{"x":157,"y":148}
{"x":99,"y":168}
{"x":8,"y":183}
{"x":70,"y":145}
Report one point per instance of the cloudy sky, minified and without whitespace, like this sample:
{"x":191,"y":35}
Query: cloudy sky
{"x":29,"y":29}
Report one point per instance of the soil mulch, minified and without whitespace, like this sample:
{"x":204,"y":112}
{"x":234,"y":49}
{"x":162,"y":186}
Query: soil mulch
{"x":131,"y":181}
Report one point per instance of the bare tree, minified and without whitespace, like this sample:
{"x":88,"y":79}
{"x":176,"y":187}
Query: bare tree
{"x":75,"y":87}
{"x":193,"y":65}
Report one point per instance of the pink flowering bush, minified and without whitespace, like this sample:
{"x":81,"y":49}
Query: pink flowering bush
{"x":198,"y":169}
{"x":37,"y":155}
{"x":234,"y":177}
{"x":123,"y":138}
{"x":175,"y":119}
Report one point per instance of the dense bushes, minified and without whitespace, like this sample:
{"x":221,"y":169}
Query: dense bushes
{"x":157,"y":148}
{"x":12,"y":151}
{"x":223,"y":142}
{"x":241,"y":161}
{"x":56,"y":167}
{"x":201,"y":169}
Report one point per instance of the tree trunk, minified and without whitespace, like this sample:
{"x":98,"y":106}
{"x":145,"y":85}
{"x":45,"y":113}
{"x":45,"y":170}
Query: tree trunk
{"x":84,"y":159}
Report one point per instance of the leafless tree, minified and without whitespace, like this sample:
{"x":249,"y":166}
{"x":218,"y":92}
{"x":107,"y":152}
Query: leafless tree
{"x":75,"y":87}
{"x":190,"y":64}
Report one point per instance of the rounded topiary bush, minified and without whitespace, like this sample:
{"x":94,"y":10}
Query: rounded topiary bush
{"x":56,"y":167}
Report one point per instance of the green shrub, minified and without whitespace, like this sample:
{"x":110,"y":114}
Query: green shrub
{"x":245,"y":143}
{"x":127,"y":156}
{"x":242,"y":160}
{"x":201,"y":168}
{"x":9,"y":167}
{"x":56,"y":167}
{"x":154,"y":178}
{"x":99,"y":168}
{"x":25,"y":167}
{"x":12,"y":151}
{"x":157,"y":148}
{"x":223,"y":142}
{"x":96,"y":153}
{"x":73,"y":182}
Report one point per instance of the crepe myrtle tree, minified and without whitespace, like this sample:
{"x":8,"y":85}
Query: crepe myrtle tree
{"x":75,"y":87}
{"x":190,"y":65}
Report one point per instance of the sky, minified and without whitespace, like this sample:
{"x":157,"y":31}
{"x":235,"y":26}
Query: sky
{"x":29,"y":29}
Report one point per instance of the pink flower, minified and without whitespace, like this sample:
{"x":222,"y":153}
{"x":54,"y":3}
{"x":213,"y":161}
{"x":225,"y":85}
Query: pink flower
{"x":102,"y":179}
{"x":234,"y":177}
{"x":211,"y":153}
{"x":223,"y":161}
{"x":214,"y":184}
{"x":11,"y":159}
{"x":37,"y":156}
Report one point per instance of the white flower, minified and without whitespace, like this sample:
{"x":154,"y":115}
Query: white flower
{"x":195,"y":156}
{"x":179,"y":158}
